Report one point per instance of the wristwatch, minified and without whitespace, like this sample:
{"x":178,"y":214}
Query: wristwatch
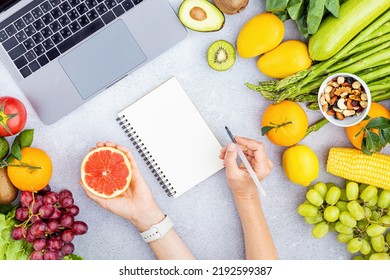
{"x":157,"y":231}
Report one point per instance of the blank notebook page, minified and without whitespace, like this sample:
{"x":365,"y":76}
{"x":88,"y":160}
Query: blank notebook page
{"x":176,"y":135}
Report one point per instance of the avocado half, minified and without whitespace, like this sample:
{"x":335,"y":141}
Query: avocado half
{"x":201,"y":15}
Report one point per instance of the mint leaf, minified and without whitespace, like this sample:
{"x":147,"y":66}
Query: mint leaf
{"x":373,"y":142}
{"x":378,"y":123}
{"x":386,"y":134}
{"x":26,"y":138}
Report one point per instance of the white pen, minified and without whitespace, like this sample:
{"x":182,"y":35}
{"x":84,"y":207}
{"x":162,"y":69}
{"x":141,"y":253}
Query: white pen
{"x":246,"y":162}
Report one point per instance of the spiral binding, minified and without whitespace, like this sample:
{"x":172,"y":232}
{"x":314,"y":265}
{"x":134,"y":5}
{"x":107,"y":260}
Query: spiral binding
{"x":145,"y":154}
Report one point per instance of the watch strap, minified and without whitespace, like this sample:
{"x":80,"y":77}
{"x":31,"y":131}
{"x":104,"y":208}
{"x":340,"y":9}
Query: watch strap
{"x":157,"y":231}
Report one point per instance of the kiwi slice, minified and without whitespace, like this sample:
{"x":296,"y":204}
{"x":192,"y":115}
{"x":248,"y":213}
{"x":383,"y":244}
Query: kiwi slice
{"x":221,"y":55}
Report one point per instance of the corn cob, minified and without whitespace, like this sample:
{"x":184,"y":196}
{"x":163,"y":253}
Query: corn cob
{"x":354,"y":165}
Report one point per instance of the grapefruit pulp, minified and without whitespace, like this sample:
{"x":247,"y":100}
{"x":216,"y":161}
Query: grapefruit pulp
{"x":106,"y":172}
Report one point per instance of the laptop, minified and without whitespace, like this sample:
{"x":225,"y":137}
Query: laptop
{"x":62,"y":53}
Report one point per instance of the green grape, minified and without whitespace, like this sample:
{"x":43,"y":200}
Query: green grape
{"x":342,"y":205}
{"x":307,"y":210}
{"x":366,"y":247}
{"x":378,"y":243}
{"x":331,"y":213}
{"x":358,"y":258}
{"x":362,"y":224}
{"x":354,"y":245}
{"x":341,"y":228}
{"x":369,"y":193}
{"x":375,"y":216}
{"x":314,"y":197}
{"x":372,"y":202}
{"x":362,"y":187}
{"x":386,"y":250}
{"x":343,"y":195}
{"x":374,"y":230}
{"x":344,"y":238}
{"x":356,"y":210}
{"x":388,"y":237}
{"x":332,"y":227}
{"x":314,"y":220}
{"x":352,"y":191}
{"x":384,"y":199}
{"x":380,"y":256}
{"x":321,"y":188}
{"x":320,"y":230}
{"x":367,"y":212}
{"x":384,"y":220}
{"x":347,"y":219}
{"x":333,"y":195}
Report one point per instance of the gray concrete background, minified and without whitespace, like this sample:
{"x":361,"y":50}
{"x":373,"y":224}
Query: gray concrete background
{"x":205,"y":217}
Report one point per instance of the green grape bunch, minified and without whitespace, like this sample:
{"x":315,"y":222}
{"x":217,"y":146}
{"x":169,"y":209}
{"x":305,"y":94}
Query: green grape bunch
{"x":360,"y":214}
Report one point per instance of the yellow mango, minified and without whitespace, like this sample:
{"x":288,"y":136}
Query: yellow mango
{"x":260,"y":34}
{"x":286,"y":59}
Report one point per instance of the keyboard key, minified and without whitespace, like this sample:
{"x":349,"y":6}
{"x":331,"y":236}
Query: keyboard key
{"x":57,"y":38}
{"x":39,"y":50}
{"x":10,"y":43}
{"x":65,"y":32}
{"x":64,"y":20}
{"x":81,"y":35}
{"x":136,"y":2}
{"x":37,"y":38}
{"x":108,"y":17}
{"x":82,"y":8}
{"x":56,"y":13}
{"x":19,"y":24}
{"x":73,"y":15}
{"x":83,"y":21}
{"x":91,"y":3}
{"x":127,"y":5}
{"x":55,"y":2}
{"x":55,"y":26}
{"x":25,"y":71}
{"x":74,"y":3}
{"x":48,"y":44}
{"x":92,"y":15}
{"x":43,"y":60}
{"x":38,"y":24}
{"x":21,"y":36}
{"x":101,"y":9}
{"x":110,"y":3}
{"x":11,"y":30}
{"x":29,"y":44}
{"x":65,"y":7}
{"x":45,"y":6}
{"x":30,"y":55}
{"x":3,"y":36}
{"x":20,"y":62}
{"x":47,"y":19}
{"x":34,"y":66}
{"x":37,"y":12}
{"x":30,"y":30}
{"x":28,"y":18}
{"x":52,"y":54}
{"x":118,"y":10}
{"x":17,"y":51}
{"x":74,"y":26}
{"x":46,"y":32}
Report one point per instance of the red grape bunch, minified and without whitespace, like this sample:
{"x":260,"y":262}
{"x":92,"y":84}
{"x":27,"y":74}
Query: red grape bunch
{"x":48,"y":222}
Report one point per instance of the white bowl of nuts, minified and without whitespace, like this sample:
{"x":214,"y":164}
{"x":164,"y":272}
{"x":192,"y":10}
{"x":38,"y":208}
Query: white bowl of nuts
{"x":344,"y":99}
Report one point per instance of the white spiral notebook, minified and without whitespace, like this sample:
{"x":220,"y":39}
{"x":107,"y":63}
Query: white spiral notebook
{"x":172,"y":137}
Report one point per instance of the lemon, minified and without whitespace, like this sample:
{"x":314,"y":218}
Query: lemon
{"x":300,"y":165}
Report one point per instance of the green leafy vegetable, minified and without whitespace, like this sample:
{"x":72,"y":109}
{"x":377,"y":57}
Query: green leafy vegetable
{"x":296,"y":9}
{"x":372,"y":142}
{"x":315,"y":15}
{"x":73,"y":257}
{"x":333,"y":6}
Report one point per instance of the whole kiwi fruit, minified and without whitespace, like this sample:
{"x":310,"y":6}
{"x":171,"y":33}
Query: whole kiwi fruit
{"x":8,"y":192}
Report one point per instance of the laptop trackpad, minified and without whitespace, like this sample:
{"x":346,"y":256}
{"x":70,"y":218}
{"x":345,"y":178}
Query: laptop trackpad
{"x":102,"y":59}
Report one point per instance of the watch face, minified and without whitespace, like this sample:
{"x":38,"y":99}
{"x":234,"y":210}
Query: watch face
{"x":5,"y":4}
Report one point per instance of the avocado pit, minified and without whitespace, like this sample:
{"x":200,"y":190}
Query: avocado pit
{"x":197,"y":13}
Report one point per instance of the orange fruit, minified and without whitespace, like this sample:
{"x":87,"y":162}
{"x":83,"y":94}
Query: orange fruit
{"x":106,"y":172}
{"x":289,"y":122}
{"x":376,"y":110}
{"x":33,"y":172}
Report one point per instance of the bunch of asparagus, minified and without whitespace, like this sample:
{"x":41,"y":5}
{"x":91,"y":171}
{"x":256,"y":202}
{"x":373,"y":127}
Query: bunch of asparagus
{"x":367,"y":55}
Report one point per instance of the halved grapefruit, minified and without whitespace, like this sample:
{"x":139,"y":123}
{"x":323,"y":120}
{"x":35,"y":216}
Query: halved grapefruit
{"x":106,"y":172}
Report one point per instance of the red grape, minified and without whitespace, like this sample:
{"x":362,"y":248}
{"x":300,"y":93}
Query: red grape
{"x":36,"y":255}
{"x":68,"y":249}
{"x":65,"y":193}
{"x":54,"y":244}
{"x":67,"y":202}
{"x":38,"y":229}
{"x":50,"y":255}
{"x":36,"y":205}
{"x":29,"y":237}
{"x":67,"y":235}
{"x":44,"y":190}
{"x":26,"y":198}
{"x":53,"y":226}
{"x":79,"y":228}
{"x":35,"y":219}
{"x":39,"y":244}
{"x":56,"y":214}
{"x":67,"y":220}
{"x":46,"y":211}
{"x":51,"y":198}
{"x":21,"y":214}
{"x":74,"y":210}
{"x":38,"y":197}
{"x":18,"y":233}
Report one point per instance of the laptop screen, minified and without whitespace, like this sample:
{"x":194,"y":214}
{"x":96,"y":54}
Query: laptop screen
{"x":5,"y":4}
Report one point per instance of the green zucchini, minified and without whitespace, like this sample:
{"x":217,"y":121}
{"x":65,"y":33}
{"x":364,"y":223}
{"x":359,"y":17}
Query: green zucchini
{"x":334,"y":33}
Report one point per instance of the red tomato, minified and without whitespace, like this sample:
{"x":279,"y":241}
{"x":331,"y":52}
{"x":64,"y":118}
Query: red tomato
{"x":13,"y":116}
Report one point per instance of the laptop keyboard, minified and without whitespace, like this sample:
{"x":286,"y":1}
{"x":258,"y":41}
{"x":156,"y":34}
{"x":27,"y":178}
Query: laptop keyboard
{"x":42,"y":30}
